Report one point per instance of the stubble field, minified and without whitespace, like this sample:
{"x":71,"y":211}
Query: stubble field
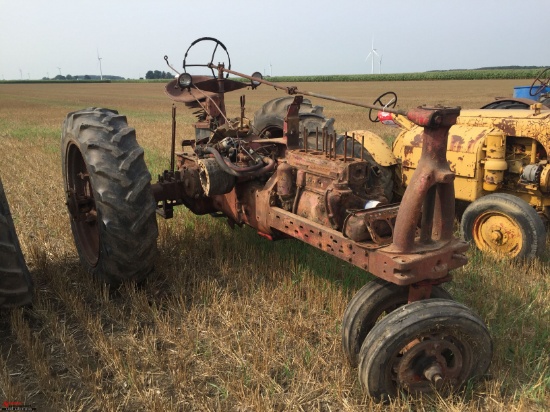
{"x":228,"y":321}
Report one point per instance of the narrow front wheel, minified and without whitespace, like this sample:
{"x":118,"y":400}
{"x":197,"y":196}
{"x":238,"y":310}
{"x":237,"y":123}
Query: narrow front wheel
{"x":368,"y":306}
{"x":434,"y":345}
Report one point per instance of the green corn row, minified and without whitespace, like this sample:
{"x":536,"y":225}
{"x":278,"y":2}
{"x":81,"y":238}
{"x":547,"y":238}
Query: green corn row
{"x":435,"y":75}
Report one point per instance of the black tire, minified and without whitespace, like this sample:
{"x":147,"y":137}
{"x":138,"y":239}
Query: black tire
{"x":505,"y":226}
{"x":405,"y":346}
{"x":373,"y":300}
{"x":109,"y":196}
{"x":269,"y":120}
{"x":16,"y":284}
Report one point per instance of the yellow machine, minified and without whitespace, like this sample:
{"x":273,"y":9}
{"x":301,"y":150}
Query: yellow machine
{"x":501,"y":161}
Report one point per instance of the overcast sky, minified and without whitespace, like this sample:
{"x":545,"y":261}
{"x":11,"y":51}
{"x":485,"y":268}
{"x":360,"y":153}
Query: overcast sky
{"x":41,"y":38}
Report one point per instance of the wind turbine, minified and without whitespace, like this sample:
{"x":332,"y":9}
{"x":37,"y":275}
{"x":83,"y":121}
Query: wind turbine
{"x":99,"y":59}
{"x":380,"y":64}
{"x":371,"y":55}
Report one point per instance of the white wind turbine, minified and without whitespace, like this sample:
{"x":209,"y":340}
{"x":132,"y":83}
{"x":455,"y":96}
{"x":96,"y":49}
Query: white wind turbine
{"x":100,"y":71}
{"x":371,"y":55}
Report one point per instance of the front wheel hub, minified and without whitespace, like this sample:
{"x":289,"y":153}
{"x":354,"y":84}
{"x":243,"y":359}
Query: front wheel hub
{"x":433,"y":361}
{"x":498,"y":233}
{"x":497,"y":237}
{"x":434,"y":374}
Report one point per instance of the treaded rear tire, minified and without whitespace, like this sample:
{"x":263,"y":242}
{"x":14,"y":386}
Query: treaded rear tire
{"x":109,"y":196}
{"x":15,"y":280}
{"x":270,"y":118}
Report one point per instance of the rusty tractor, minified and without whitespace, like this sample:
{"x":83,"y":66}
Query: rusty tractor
{"x":500,"y":155}
{"x":313,"y":185}
{"x":16,"y":284}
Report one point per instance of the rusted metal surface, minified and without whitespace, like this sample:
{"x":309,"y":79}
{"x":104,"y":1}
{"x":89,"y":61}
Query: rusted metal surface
{"x":371,"y":224}
{"x":404,"y":269}
{"x":471,"y":155}
{"x":327,"y":190}
{"x":322,"y":190}
{"x":291,"y":128}
{"x":526,"y":123}
{"x":430,"y":191}
{"x":204,"y":87}
{"x":314,"y":197}
{"x":437,"y":368}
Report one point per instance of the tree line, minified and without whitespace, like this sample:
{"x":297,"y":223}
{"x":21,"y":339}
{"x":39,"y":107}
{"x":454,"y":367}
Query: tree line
{"x":157,"y":74}
{"x":68,"y":77}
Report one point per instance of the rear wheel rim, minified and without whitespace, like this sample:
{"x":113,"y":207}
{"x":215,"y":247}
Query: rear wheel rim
{"x":81,"y":204}
{"x":497,"y":233}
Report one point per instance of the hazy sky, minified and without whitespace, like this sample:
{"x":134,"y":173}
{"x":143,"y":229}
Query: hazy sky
{"x":283,"y":37}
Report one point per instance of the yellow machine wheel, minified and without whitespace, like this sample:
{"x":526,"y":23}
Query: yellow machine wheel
{"x":505,"y":226}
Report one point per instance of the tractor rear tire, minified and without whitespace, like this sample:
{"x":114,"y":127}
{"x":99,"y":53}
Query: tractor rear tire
{"x":268,"y":120}
{"x":15,"y":280}
{"x":109,"y":196}
{"x":504,"y":225}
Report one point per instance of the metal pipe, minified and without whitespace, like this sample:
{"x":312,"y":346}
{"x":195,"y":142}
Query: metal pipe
{"x":300,"y":183}
{"x":294,"y":90}
{"x":324,"y":142}
{"x":317,"y":138}
{"x":345,"y":147}
{"x":173,"y":147}
{"x":242,"y":171}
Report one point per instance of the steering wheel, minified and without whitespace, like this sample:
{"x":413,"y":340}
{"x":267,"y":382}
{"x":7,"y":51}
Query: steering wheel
{"x":542,"y":85}
{"x":211,"y":62}
{"x":391,"y":102}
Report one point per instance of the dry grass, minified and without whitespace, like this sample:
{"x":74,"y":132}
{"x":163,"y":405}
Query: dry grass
{"x":229,"y":321}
